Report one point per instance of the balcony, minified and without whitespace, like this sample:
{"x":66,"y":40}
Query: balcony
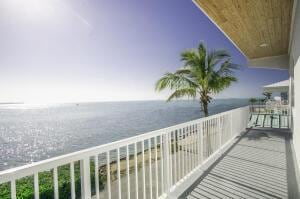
{"x":208,"y":158}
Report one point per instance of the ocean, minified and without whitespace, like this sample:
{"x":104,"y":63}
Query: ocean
{"x":33,"y":133}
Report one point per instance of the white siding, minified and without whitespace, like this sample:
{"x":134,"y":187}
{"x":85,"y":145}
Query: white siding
{"x":295,"y":85}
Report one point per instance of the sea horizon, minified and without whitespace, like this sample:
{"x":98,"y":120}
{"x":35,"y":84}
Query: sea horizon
{"x":100,"y":101}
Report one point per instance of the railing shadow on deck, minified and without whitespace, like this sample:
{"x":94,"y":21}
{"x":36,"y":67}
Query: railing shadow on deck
{"x":259,"y":165}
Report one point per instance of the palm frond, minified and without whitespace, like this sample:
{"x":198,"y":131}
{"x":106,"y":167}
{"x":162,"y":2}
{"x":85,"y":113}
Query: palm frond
{"x":216,"y":56}
{"x":184,"y":92}
{"x":190,"y":58}
{"x":201,"y":51}
{"x":183,"y":71}
{"x":174,"y":81}
{"x":227,"y":68}
{"x":220,"y":83}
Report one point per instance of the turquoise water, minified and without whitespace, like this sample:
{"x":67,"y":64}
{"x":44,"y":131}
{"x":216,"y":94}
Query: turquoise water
{"x":32,"y":133}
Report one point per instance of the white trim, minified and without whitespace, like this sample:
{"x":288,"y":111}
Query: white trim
{"x":194,"y":1}
{"x":274,"y":62}
{"x":292,"y":25}
{"x":284,"y":83}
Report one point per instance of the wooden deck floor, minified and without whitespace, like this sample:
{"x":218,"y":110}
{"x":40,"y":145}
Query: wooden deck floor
{"x":259,"y":165}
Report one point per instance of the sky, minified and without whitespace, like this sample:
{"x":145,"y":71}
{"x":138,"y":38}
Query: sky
{"x":106,"y":50}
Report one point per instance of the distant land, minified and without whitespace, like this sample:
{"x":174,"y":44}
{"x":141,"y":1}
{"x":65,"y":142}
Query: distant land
{"x":11,"y":102}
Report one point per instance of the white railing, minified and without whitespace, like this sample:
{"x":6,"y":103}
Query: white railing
{"x":270,"y":109}
{"x":122,"y":169}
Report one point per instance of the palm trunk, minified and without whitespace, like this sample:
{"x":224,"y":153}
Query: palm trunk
{"x":205,"y":108}
{"x":206,"y":131}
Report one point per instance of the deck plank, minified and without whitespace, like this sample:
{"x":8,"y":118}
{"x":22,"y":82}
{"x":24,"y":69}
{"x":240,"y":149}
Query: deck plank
{"x":255,"y":167}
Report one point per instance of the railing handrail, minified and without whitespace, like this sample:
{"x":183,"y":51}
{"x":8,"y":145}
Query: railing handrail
{"x":44,"y":165}
{"x":275,"y":105}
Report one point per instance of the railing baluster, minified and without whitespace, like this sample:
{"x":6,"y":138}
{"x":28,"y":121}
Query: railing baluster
{"x":136,"y":172}
{"x":204,"y":140}
{"x":13,"y":193}
{"x":150,"y":167}
{"x":214,"y":124}
{"x":214,"y":131}
{"x":72,"y":180}
{"x":220,"y":132}
{"x":108,"y":175}
{"x":185,"y":151}
{"x":200,"y":146}
{"x":215,"y":127}
{"x":36,"y":186}
{"x":189,"y":149}
{"x":212,"y":136}
{"x":195,"y":146}
{"x":207,"y":139}
{"x":170,"y":159}
{"x":209,"y":130}
{"x":179,"y":154}
{"x":162,"y":159}
{"x":85,"y":178}
{"x":156,"y":168}
{"x":143,"y":169}
{"x":182,"y":153}
{"x":175,"y":154}
{"x":231,"y":125}
{"x":119,"y":174}
{"x":55,"y":181}
{"x":97,"y":176}
{"x":167,"y":158}
{"x":128,"y":171}
{"x":211,"y":127}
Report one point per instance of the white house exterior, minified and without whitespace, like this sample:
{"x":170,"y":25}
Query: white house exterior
{"x":294,"y":71}
{"x":282,"y":86}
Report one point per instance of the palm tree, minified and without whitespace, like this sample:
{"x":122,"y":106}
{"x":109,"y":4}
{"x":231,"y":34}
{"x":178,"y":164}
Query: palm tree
{"x":252,"y":100}
{"x":204,"y":74}
{"x":267,"y":95}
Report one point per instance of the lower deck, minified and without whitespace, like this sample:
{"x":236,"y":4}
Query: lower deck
{"x":269,"y":120}
{"x":259,"y":165}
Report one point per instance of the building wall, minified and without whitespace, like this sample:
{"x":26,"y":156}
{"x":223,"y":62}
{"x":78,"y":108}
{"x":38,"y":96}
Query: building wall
{"x":295,"y":80}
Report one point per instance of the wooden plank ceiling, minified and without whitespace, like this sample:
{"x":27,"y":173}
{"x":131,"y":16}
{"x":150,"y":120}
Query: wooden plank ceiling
{"x":260,"y":28}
